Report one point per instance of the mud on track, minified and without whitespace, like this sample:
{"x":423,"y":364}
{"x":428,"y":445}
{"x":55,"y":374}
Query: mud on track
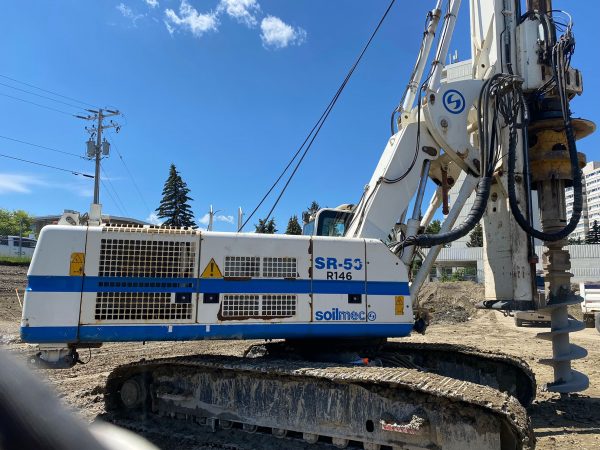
{"x":560,"y":423}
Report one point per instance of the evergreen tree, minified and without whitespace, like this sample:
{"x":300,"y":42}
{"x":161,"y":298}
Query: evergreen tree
{"x":313,"y":208}
{"x":267,"y":227}
{"x":174,"y":205}
{"x":434,"y":227}
{"x":293,"y":226}
{"x":593,"y":236}
{"x":476,"y":237}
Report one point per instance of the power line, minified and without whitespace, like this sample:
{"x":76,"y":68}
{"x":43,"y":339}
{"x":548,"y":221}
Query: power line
{"x":37,"y":104}
{"x":40,"y":95}
{"x":318,"y":125}
{"x":111,"y":197}
{"x":74,"y":172}
{"x":48,"y":91}
{"x":42,"y":146}
{"x":132,"y":178}
{"x":107,"y":178}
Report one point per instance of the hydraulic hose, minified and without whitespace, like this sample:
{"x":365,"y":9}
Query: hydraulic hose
{"x":577,"y":189}
{"x":482,"y":194}
{"x":560,"y":63}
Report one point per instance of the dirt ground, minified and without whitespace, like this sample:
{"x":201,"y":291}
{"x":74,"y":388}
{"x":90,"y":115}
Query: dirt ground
{"x":560,"y":423}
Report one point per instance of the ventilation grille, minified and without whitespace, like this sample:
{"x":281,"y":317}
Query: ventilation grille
{"x":279,"y":305}
{"x":279,"y":267}
{"x":245,"y":306}
{"x":240,"y":306}
{"x":143,"y":306}
{"x":242,"y":266}
{"x":146,"y":229}
{"x":142,"y":258}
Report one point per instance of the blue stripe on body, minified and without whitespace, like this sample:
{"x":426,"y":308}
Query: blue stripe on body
{"x":39,"y":283}
{"x":130,"y":333}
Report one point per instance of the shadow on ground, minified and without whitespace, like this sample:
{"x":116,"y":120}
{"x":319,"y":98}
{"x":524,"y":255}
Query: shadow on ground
{"x":577,"y":413}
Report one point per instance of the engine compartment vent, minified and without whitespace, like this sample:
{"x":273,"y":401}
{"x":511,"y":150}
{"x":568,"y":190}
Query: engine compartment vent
{"x":279,"y":267}
{"x":146,"y":258}
{"x":240,"y":306}
{"x":242,"y":266}
{"x":140,"y":306}
{"x":266,"y":306}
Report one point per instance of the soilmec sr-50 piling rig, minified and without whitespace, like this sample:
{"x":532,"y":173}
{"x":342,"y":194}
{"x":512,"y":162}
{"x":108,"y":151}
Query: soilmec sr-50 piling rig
{"x":344,"y":285}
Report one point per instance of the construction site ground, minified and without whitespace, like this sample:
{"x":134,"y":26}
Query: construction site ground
{"x":560,"y":423}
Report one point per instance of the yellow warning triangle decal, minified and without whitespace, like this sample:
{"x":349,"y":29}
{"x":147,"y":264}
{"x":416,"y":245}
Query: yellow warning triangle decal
{"x":212,"y":270}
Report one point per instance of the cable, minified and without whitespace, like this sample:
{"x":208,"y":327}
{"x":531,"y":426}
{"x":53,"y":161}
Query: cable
{"x":111,"y":196}
{"x":104,"y":185}
{"x":49,"y":92}
{"x":37,"y":104}
{"x":131,"y":177}
{"x":561,"y":56}
{"x":46,"y":165}
{"x":323,"y":118}
{"x":42,"y":146}
{"x":120,"y":203}
{"x":491,"y":99}
{"x":40,"y":95}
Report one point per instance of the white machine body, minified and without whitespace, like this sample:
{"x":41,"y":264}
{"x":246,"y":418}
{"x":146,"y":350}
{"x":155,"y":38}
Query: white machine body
{"x":110,"y":283}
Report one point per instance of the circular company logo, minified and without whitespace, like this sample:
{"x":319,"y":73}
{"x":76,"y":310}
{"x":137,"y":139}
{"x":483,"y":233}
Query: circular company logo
{"x":454,"y":102}
{"x":371,"y":316}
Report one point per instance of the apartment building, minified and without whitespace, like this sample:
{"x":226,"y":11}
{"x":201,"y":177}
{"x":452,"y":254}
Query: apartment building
{"x":591,"y":200}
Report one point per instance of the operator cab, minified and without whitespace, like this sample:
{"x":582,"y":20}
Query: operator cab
{"x":328,"y":221}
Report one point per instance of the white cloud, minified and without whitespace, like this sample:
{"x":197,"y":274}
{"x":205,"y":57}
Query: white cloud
{"x":170,"y":29}
{"x":204,"y":219}
{"x":275,"y":33}
{"x":153,"y":219}
{"x":244,"y":11}
{"x":152,"y":3}
{"x":189,"y":18}
{"x":221,"y":218}
{"x":128,"y":13}
{"x":218,"y":218}
{"x":20,"y":184}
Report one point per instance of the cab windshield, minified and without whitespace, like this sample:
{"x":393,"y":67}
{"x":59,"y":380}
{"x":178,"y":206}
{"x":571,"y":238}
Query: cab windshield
{"x":330,"y":223}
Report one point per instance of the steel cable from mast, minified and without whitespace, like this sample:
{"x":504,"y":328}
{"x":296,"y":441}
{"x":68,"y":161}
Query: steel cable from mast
{"x":310,"y":138}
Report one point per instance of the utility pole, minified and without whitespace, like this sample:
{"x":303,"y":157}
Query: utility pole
{"x":211,"y":217}
{"x":240,"y":219}
{"x":100,"y":147}
{"x":211,"y":214}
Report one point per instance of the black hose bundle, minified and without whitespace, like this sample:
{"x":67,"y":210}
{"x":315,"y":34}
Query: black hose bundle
{"x":489,"y":132}
{"x":561,"y":57}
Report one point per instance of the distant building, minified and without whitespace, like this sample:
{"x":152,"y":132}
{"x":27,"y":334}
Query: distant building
{"x":41,"y":221}
{"x":591,"y":200}
{"x":17,"y":246}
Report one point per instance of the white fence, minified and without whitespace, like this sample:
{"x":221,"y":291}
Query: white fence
{"x":585,"y":260}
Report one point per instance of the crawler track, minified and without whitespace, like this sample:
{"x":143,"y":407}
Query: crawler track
{"x":370,"y":406}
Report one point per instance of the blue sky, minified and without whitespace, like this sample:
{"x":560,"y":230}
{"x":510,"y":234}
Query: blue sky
{"x":225,"y":89}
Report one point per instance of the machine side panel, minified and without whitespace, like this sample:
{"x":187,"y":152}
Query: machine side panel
{"x":339,"y":290}
{"x":391,"y":305}
{"x":53,"y":294}
{"x":254,"y":278}
{"x":140,"y":276}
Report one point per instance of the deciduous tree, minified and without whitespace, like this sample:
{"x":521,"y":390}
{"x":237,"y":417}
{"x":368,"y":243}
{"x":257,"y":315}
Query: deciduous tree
{"x":14,"y":222}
